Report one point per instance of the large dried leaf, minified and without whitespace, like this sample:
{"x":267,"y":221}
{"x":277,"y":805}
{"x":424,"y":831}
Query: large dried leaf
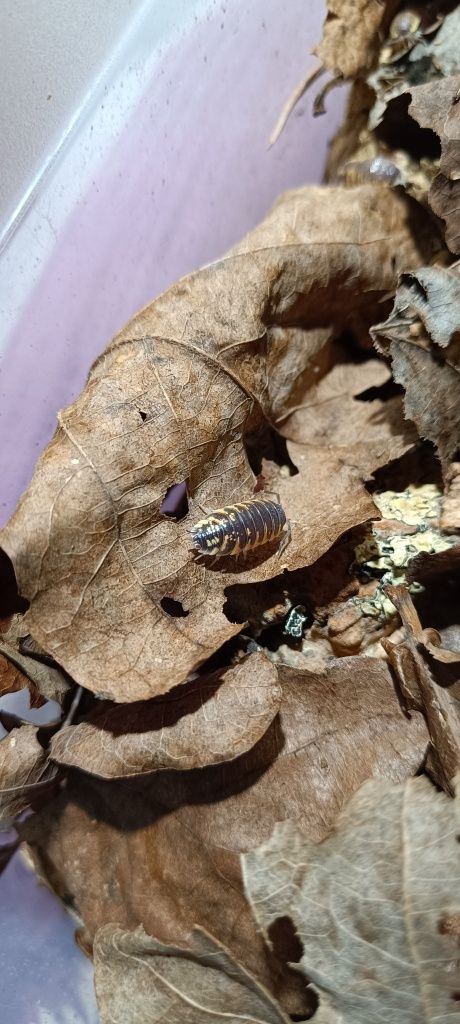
{"x":170,"y":400}
{"x":183,"y":831}
{"x":374,"y":906}
{"x":427,"y":307}
{"x":211,"y":720}
{"x":23,"y":771}
{"x":139,"y":979}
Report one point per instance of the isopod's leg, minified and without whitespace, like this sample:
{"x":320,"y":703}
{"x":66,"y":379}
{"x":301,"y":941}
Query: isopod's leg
{"x":285,"y":539}
{"x":275,"y":493}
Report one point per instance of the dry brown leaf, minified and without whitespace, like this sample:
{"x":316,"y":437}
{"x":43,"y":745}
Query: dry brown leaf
{"x":210,"y":720}
{"x":352,"y":34}
{"x":139,"y":979}
{"x":24,"y":771}
{"x":433,"y":56}
{"x":183,"y":831}
{"x":372,"y":904}
{"x":43,"y":681}
{"x":441,"y":714}
{"x":427,"y":306}
{"x":435,"y":106}
{"x":170,"y":400}
{"x":365,"y":434}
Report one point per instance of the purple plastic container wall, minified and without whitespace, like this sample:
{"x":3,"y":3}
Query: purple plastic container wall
{"x":141,"y":194}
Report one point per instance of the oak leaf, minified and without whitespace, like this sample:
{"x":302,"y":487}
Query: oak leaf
{"x":115,"y":594}
{"x":435,"y":106}
{"x":374,"y":906}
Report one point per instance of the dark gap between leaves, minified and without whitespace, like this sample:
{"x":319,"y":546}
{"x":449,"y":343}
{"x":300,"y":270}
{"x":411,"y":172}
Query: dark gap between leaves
{"x":390,"y":389}
{"x":398,"y":130}
{"x":267,"y":444}
{"x":10,"y":598}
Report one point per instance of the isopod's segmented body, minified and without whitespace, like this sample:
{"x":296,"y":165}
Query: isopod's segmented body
{"x":236,"y":529}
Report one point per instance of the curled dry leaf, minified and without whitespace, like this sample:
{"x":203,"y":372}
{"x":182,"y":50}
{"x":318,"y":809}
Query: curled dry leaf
{"x":436,"y":106}
{"x":138,"y":978}
{"x":210,"y":720}
{"x":43,"y":681}
{"x":429,"y":57}
{"x":421,"y":336}
{"x":184,"y":830}
{"x":370,"y":904}
{"x":24,"y":771}
{"x":172,"y":399}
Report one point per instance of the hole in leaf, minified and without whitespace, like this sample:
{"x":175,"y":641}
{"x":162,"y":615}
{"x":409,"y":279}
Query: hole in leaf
{"x":175,"y":502}
{"x":287,"y":949}
{"x":173,"y":607}
{"x":143,"y":415}
{"x":285,"y":941}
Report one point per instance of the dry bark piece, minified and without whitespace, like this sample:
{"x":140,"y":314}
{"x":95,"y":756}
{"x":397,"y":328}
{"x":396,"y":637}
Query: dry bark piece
{"x":210,"y":720}
{"x":170,"y":400}
{"x":436,"y":703}
{"x":184,"y":830}
{"x":370,"y":904}
{"x":138,"y":978}
{"x":24,"y":771}
{"x":421,"y":336}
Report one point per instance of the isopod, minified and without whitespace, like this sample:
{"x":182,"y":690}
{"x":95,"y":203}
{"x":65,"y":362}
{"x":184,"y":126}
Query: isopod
{"x":236,"y":529}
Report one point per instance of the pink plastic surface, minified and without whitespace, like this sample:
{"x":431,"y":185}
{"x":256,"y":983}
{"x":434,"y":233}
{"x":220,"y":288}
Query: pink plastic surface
{"x":189,"y":174}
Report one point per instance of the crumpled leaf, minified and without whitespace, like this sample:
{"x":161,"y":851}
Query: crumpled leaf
{"x":436,"y":106}
{"x":43,"y":681}
{"x":185,"y":830}
{"x":434,"y":56}
{"x":372,"y":905}
{"x":138,"y":979}
{"x":352,"y":33}
{"x":367,"y":434}
{"x":208,"y":721}
{"x":420,"y":335}
{"x":24,"y":770}
{"x":170,"y":400}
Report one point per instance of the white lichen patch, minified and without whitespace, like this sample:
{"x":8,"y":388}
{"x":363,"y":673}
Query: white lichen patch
{"x":387,"y":554}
